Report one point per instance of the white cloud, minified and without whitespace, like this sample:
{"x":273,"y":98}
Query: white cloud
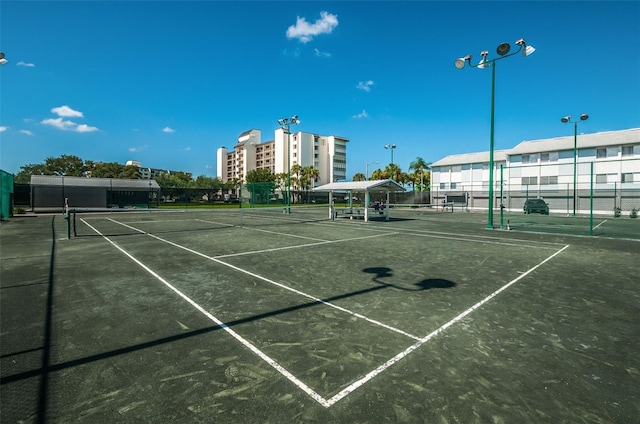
{"x":188,"y":149}
{"x":85,"y":128}
{"x":168,"y":130}
{"x":3,"y":128}
{"x":28,"y":65}
{"x":137,"y":149}
{"x":322,"y":54}
{"x":305,"y":31}
{"x":67,"y":125}
{"x":59,"y":123}
{"x":361,"y":115}
{"x":365,"y":85}
{"x":27,"y":132}
{"x":67,"y":112}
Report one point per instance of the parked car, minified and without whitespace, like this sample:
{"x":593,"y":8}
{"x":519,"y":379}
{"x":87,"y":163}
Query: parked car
{"x":536,"y":206}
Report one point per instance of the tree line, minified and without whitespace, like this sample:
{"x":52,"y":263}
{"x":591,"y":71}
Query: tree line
{"x":301,"y":178}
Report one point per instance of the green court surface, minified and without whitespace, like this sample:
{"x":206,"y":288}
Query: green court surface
{"x":233,"y":316}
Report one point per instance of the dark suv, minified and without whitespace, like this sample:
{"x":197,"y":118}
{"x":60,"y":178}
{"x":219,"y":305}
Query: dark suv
{"x":536,"y":206}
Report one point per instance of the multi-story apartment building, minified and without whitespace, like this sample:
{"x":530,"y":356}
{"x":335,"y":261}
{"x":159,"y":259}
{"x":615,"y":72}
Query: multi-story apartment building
{"x":545,"y":168}
{"x":327,"y":154}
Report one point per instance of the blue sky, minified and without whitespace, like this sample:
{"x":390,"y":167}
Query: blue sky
{"x":167,"y":83}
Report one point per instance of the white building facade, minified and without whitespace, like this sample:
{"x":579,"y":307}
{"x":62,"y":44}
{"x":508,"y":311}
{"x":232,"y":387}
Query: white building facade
{"x":327,"y":154}
{"x":607,"y":163}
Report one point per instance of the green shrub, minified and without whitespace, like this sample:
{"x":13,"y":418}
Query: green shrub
{"x":634,"y":213}
{"x":617,"y":212}
{"x":18,"y":210}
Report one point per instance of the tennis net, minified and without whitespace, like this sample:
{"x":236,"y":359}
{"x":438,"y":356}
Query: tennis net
{"x":112,"y":222}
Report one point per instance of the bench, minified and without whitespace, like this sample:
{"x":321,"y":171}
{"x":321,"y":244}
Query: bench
{"x":349,"y":212}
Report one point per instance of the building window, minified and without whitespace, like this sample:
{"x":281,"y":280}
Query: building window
{"x":525,"y":159}
{"x":544,"y":157}
{"x":627,"y":177}
{"x":453,"y":186}
{"x":627,"y":150}
{"x":529,"y":180}
{"x":601,"y":153}
{"x":443,"y":186}
{"x":601,"y":178}
{"x":550,"y":180}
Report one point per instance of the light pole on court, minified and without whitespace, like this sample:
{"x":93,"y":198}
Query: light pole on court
{"x":564,"y":120}
{"x":366,"y":169}
{"x":503,"y":52}
{"x":391,"y":147}
{"x":285,"y":124}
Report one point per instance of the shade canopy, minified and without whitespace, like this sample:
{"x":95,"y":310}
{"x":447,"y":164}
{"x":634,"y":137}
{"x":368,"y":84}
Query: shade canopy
{"x":375,"y":186}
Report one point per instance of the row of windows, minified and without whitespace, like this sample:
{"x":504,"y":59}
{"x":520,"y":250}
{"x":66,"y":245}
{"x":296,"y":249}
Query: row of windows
{"x":626,"y":178}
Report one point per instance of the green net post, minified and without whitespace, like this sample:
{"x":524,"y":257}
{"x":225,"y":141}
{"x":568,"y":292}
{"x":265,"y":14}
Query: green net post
{"x":68,"y":219}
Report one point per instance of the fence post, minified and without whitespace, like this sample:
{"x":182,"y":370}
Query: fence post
{"x":591,"y":203}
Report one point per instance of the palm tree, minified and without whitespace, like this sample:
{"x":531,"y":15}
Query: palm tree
{"x":296,"y":181}
{"x":359,"y":177}
{"x":378,"y":174}
{"x":309,"y":176}
{"x":420,"y":164}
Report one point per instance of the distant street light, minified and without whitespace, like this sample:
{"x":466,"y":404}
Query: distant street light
{"x":285,"y":124}
{"x":392,"y":148}
{"x":366,"y":170}
{"x":503,"y":51}
{"x":567,"y":119}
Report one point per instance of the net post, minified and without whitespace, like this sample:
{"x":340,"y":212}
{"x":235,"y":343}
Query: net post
{"x":67,"y":218}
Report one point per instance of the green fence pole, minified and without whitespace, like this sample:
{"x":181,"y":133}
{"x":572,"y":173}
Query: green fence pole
{"x":591,"y":203}
{"x":501,"y":199}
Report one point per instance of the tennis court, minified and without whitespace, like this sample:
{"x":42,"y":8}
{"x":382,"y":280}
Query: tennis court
{"x":246,"y":316}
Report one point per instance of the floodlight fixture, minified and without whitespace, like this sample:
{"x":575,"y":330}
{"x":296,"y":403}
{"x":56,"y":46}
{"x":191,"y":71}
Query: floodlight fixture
{"x":484,"y":63}
{"x":3,"y":61}
{"x":503,"y":49}
{"x":565,"y":119}
{"x":584,"y":117}
{"x":460,"y":62}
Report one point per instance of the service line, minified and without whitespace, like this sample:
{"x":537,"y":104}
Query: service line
{"x":344,"y":392}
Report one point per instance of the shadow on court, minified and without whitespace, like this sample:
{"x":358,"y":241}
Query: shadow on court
{"x":430,"y":283}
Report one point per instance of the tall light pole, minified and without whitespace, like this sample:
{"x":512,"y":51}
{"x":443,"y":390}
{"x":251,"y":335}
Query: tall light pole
{"x":285,"y":124}
{"x":503,"y":52}
{"x":366,"y":170}
{"x":564,"y":120}
{"x":391,"y":147}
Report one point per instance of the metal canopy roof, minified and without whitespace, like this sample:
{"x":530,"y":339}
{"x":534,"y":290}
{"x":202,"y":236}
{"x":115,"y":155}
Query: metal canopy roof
{"x":111,"y":183}
{"x":376,"y":186}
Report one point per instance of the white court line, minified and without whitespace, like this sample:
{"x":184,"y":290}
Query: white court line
{"x":600,"y":224}
{"x":344,"y":392}
{"x":266,"y":231}
{"x":369,"y":376}
{"x":313,"y":394}
{"x":275,"y":283}
{"x":445,"y":235}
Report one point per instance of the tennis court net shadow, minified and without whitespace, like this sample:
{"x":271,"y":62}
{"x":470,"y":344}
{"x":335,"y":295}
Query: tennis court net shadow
{"x":426,"y":284}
